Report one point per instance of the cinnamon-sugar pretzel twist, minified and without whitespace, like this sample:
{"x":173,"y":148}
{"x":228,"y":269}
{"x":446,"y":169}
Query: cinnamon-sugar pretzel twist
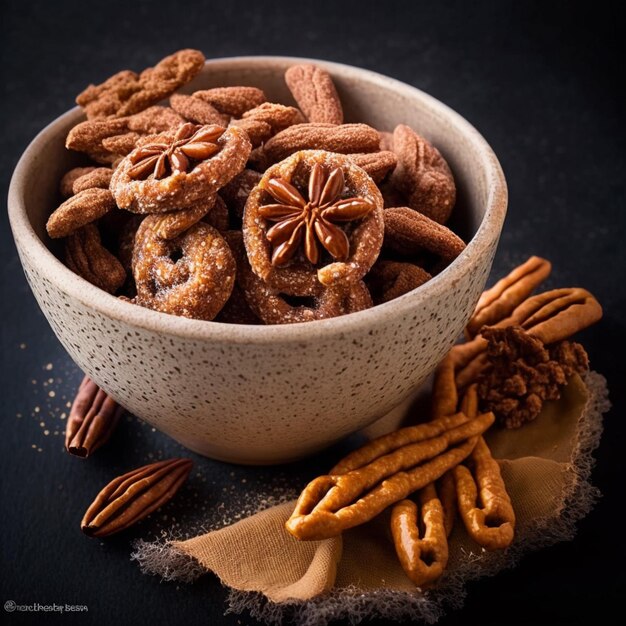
{"x":497,"y":303}
{"x":330,"y":504}
{"x":424,"y":558}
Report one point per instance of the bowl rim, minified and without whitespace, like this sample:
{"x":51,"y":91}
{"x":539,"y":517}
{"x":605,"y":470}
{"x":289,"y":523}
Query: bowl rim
{"x":139,"y":317}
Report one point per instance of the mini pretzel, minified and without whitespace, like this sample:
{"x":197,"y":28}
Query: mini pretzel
{"x":178,"y":169}
{"x":272,"y":307}
{"x":197,"y":285}
{"x":497,"y":303}
{"x":331,"y":237}
{"x":423,"y":559}
{"x":330,"y":504}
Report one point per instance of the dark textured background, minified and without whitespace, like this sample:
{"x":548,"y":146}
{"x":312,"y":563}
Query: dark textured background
{"x":541,"y":80}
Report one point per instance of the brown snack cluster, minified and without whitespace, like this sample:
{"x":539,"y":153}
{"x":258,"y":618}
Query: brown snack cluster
{"x":302,"y":189}
{"x":523,"y":373}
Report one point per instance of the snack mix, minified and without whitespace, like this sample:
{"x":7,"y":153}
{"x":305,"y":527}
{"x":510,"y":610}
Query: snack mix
{"x":220,"y":205}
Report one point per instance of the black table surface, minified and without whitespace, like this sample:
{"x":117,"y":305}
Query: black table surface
{"x":540,"y":80}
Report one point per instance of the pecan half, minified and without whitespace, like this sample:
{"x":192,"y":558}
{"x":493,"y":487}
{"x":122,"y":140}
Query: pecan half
{"x":278,"y":116}
{"x":500,"y":301}
{"x":233,"y":101}
{"x":376,"y":164}
{"x":66,"y":187}
{"x":388,"y":280}
{"x":95,"y":178}
{"x":344,"y":139}
{"x":410,"y":233}
{"x":86,"y":256}
{"x":197,"y":110}
{"x":423,"y":175}
{"x":87,"y":137}
{"x":258,"y":131}
{"x":127,"y":92}
{"x":153,"y":120}
{"x":92,"y":420}
{"x":314,"y":91}
{"x":78,"y":211}
{"x":133,"y":496}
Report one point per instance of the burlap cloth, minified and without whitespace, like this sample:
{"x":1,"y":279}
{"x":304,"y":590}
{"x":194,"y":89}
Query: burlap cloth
{"x":545,"y":464}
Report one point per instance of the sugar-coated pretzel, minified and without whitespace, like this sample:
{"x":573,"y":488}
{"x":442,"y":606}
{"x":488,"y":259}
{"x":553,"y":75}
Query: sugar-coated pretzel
{"x":362,"y":239}
{"x":177,"y":169}
{"x":423,"y":558}
{"x":330,"y":504}
{"x":498,"y":302}
{"x":197,"y":285}
{"x":272,"y":307}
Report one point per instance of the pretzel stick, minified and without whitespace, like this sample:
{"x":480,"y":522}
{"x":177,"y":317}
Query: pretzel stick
{"x":330,"y":504}
{"x":423,"y":559}
{"x":499,"y":302}
{"x":395,"y":440}
{"x":446,"y":488}
{"x":484,"y":504}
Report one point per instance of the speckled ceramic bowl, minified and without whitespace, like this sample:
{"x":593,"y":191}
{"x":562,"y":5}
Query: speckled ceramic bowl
{"x":267,"y":394}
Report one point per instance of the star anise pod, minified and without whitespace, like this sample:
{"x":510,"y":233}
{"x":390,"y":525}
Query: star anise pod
{"x":191,"y":143}
{"x":314,"y":220}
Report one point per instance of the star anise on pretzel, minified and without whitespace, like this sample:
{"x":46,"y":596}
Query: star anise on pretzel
{"x":312,"y":221}
{"x":191,"y":143}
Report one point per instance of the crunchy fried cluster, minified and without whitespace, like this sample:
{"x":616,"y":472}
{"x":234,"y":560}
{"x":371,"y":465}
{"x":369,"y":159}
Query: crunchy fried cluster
{"x":524,"y":373}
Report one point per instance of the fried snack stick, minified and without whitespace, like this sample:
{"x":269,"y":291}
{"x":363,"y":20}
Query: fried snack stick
{"x":491,"y":525}
{"x":395,"y":440}
{"x":484,"y":504}
{"x":330,"y":504}
{"x":499,"y":302}
{"x":550,"y":316}
{"x":423,"y":559}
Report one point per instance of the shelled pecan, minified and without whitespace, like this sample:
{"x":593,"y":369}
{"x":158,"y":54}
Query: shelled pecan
{"x":133,"y":496}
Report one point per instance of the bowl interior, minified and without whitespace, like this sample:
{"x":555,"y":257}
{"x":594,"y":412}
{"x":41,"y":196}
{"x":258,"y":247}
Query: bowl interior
{"x":366,"y":97}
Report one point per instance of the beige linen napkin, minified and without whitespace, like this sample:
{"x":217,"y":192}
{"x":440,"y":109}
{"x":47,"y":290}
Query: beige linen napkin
{"x":545,"y":465}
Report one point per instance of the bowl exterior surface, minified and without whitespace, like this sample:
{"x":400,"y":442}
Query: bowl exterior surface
{"x":258,"y":394}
